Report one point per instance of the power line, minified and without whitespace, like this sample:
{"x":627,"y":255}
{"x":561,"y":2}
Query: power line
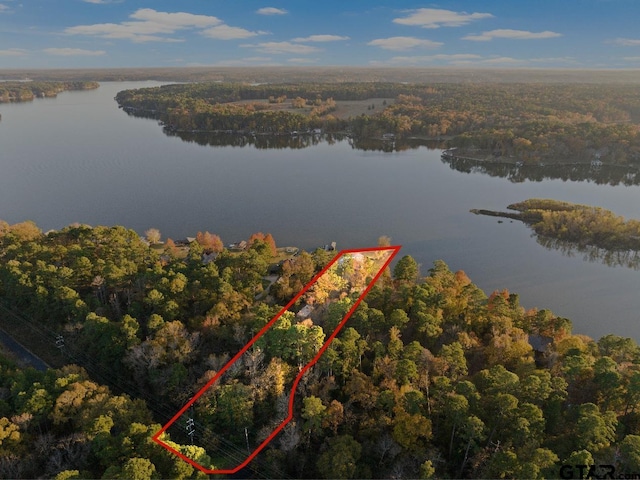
{"x":161,"y":410}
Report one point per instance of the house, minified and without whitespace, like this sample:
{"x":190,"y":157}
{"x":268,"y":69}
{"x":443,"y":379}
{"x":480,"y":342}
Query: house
{"x":275,"y":268}
{"x":305,"y":311}
{"x":208,"y":257}
{"x":596,"y":162}
{"x":539,"y":343}
{"x":316,"y":131}
{"x":389,"y":136}
{"x":329,"y":247}
{"x":358,"y":257}
{"x":184,"y":242}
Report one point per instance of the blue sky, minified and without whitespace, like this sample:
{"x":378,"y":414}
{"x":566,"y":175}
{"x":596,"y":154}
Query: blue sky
{"x":161,"y":33}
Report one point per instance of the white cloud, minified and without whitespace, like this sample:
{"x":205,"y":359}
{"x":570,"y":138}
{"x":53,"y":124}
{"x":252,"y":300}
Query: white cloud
{"x":226,"y":32}
{"x":450,"y":59}
{"x":3,"y":8}
{"x":13,"y":52}
{"x":282,"y":47}
{"x":148,"y":25}
{"x":102,"y":2}
{"x":271,"y":11}
{"x":562,"y":60}
{"x":550,"y":62}
{"x":502,"y":61}
{"x":511,"y":34}
{"x":626,"y":42}
{"x":69,"y":52}
{"x":247,"y":61}
{"x":436,"y":18}
{"x":302,"y":60}
{"x":418,"y":59}
{"x":320,"y":38}
{"x":403,"y":43}
{"x":174,"y":21}
{"x":127,"y":31}
{"x":492,"y":62}
{"x":473,"y":60}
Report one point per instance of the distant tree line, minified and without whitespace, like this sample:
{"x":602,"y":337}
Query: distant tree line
{"x":27,"y":91}
{"x":530,"y":123}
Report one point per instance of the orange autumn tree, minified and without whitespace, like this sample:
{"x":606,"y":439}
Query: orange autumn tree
{"x":268,"y":239}
{"x":210,"y":242}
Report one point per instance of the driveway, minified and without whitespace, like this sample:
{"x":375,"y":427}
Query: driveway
{"x":21,"y":353}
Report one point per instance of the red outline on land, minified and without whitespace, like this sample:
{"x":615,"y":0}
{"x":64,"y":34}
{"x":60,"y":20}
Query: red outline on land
{"x":156,"y":437}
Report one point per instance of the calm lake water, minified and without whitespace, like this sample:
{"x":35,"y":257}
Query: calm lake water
{"x":78,"y":158}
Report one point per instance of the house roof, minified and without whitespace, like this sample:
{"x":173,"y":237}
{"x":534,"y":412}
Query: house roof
{"x":305,"y":311}
{"x":540,"y":343}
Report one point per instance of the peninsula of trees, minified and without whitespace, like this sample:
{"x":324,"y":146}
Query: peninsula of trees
{"x":27,"y":91}
{"x":593,"y":229}
{"x":527,"y":123}
{"x":430,"y":377}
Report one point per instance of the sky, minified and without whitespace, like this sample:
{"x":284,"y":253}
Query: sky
{"x":577,"y":34}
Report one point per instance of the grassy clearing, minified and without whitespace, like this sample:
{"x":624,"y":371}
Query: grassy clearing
{"x":344,"y":108}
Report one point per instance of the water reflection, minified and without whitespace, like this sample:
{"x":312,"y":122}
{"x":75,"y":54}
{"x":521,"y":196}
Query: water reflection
{"x":298,"y":141}
{"x":603,"y":175}
{"x":590,"y":253}
{"x":293,"y":142}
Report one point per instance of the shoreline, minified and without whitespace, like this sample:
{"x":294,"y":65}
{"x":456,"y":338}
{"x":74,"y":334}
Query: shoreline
{"x":493,"y":160}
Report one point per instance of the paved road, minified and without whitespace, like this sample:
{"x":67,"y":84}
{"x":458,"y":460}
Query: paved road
{"x":21,"y":352}
{"x":272,"y":279}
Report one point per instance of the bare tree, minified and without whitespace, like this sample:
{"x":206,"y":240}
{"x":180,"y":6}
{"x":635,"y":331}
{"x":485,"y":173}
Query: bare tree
{"x":153,"y":235}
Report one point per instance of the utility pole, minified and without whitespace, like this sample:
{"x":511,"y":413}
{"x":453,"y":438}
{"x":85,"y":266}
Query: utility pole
{"x":60,"y":342}
{"x":191,"y":428}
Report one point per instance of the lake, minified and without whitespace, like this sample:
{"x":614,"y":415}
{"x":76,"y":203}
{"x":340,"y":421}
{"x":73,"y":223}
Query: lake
{"x":78,"y":158}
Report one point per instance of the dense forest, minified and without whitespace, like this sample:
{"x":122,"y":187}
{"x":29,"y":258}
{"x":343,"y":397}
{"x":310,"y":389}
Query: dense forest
{"x":429,"y":378}
{"x":527,"y":123}
{"x":27,"y":91}
{"x":597,"y":232}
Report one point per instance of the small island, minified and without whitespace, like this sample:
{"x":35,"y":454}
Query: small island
{"x":563,"y":225}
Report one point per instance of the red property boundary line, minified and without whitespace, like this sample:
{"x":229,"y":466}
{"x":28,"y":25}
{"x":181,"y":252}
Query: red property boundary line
{"x":156,"y":437}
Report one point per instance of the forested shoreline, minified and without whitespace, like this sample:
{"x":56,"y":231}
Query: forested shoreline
{"x":529,"y":123}
{"x":28,"y":91}
{"x":517,"y":172}
{"x":430,"y":378}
